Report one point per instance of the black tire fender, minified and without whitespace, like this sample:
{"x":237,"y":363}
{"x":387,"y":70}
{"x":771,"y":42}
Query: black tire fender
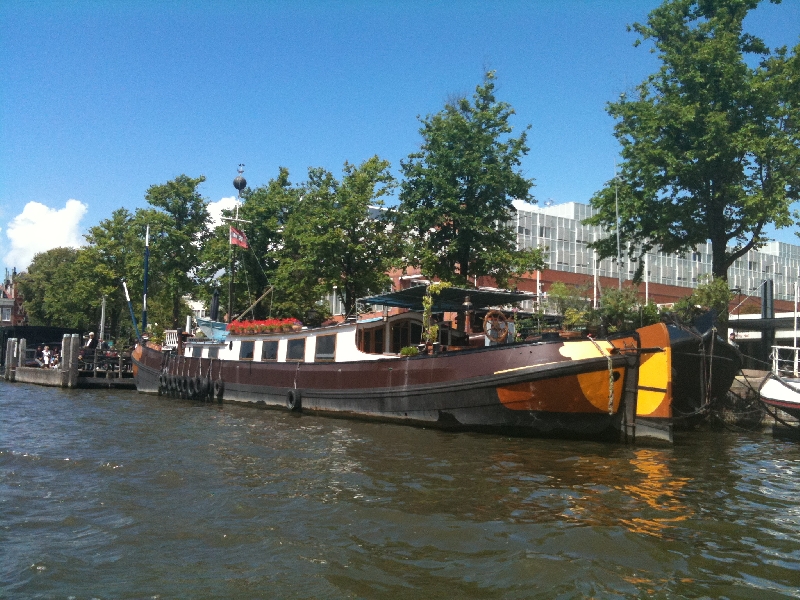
{"x":294,"y":400}
{"x":219,"y":388}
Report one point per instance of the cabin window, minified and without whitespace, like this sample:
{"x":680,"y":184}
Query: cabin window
{"x":197,"y":351}
{"x":296,"y":349}
{"x":213,"y":352}
{"x":326,"y":348}
{"x":370,"y":340}
{"x":269,"y":350}
{"x":246,"y":350}
{"x":405,"y":334}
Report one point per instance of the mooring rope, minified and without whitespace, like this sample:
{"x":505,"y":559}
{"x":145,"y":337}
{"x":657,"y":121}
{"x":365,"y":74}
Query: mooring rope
{"x":610,"y":375}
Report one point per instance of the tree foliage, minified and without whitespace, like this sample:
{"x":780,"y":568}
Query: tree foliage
{"x":265,"y":211}
{"x":179,"y":229}
{"x":622,"y":309}
{"x":57,"y":291}
{"x":458,"y":190}
{"x":709,"y":143}
{"x":332,"y":243}
{"x":711,"y":294}
{"x":309,"y":240}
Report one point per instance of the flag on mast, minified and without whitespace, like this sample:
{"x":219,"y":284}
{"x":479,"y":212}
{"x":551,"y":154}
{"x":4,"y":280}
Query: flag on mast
{"x":238,"y":238}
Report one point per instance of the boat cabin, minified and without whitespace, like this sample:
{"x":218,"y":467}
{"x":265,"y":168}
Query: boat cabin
{"x":369,"y":339}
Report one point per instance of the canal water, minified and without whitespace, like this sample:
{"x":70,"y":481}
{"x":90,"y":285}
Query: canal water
{"x":112,"y":494}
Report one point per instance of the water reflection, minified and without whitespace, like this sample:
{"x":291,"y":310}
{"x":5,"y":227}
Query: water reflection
{"x":662,"y":493}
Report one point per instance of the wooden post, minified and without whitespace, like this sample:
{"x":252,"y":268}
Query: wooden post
{"x":11,"y":358}
{"x":22,"y":348}
{"x":66,"y":358}
{"x":11,"y":353}
{"x":74,"y":347}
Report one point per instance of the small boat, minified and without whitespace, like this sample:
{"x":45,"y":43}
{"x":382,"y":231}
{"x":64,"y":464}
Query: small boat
{"x":213,"y":330}
{"x":781,"y":388}
{"x":622,"y":388}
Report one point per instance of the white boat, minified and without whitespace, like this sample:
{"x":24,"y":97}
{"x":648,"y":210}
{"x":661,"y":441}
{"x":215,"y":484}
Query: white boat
{"x":781,"y":388}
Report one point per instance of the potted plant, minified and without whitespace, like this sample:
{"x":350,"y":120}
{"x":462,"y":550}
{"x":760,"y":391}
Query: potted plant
{"x":431,"y":331}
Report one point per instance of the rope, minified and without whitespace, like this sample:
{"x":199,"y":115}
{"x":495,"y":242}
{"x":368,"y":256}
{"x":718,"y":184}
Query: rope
{"x":710,"y":366}
{"x":610,"y":375}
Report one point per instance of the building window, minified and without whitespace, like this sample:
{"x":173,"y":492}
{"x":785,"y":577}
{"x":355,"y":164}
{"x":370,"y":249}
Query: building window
{"x":326,"y":348}
{"x":5,"y":314}
{"x":296,"y":349}
{"x":269,"y":350}
{"x":246,"y":350}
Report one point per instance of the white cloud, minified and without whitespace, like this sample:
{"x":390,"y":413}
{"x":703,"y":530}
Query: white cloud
{"x":215,"y":210}
{"x":39,"y":228}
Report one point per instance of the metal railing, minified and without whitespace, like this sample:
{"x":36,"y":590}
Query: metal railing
{"x":106,"y":364}
{"x":785,"y":361}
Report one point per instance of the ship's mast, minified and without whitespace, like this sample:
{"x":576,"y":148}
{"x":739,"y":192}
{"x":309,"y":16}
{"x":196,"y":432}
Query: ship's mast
{"x":239,"y":183}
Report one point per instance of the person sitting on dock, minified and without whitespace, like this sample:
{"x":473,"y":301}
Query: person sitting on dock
{"x":46,"y":357}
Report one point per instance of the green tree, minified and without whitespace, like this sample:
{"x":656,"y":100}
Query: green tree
{"x":115,"y":254}
{"x":267,"y":209}
{"x":711,"y":294}
{"x":622,"y":309}
{"x":458,"y":189}
{"x":331,"y":240}
{"x":709,"y":143}
{"x":563,"y":297}
{"x":58,"y":291}
{"x":178,"y":230}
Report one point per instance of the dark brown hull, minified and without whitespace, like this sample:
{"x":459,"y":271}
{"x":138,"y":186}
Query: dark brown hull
{"x":519,"y":390}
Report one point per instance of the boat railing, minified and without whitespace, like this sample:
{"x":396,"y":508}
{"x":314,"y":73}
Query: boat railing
{"x":170,"y":339}
{"x":786,"y":361}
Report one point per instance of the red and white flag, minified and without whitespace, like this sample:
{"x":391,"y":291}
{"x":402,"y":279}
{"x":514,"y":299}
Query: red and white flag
{"x":238,"y":238}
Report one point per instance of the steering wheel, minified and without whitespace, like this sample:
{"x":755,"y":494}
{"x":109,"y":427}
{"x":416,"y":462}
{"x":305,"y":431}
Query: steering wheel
{"x":495,"y":326}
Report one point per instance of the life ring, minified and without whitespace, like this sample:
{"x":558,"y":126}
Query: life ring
{"x":495,"y":326}
{"x":294,"y":400}
{"x":219,"y":389}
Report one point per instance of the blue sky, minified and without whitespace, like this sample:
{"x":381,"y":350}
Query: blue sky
{"x":100,"y":99}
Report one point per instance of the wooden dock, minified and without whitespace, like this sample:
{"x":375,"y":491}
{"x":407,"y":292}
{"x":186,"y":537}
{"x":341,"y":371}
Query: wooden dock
{"x":78,"y":368}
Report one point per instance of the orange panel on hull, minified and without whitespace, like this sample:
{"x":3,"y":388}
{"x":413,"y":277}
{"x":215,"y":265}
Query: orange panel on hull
{"x":584,"y":393}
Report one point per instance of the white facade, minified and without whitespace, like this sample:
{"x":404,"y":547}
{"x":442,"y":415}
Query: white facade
{"x":559,"y":228}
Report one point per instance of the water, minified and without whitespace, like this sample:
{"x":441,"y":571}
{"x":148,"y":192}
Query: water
{"x":120,"y":495}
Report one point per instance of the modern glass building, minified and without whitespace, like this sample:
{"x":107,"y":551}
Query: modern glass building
{"x":559,"y":228}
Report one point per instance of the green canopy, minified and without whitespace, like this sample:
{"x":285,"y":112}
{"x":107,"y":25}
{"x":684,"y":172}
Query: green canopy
{"x":449,"y":299}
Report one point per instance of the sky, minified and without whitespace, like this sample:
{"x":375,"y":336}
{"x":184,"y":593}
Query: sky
{"x":101,"y":99}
